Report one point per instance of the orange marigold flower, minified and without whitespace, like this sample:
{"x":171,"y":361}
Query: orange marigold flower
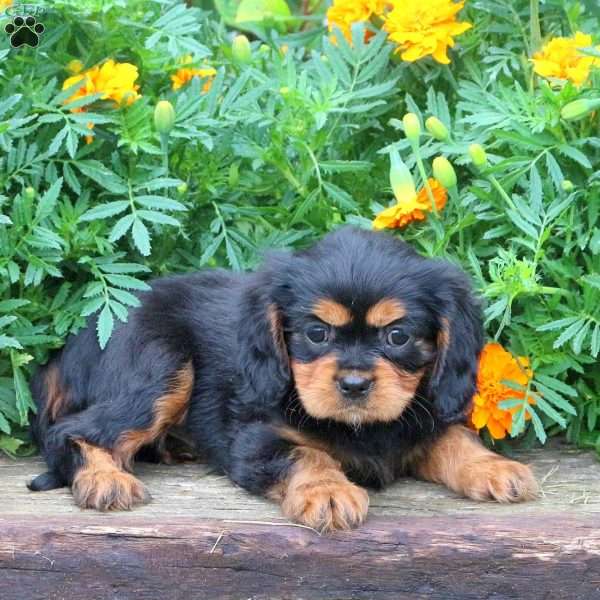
{"x":561,"y":58}
{"x":186,"y":73}
{"x":412,"y":209}
{"x":495,"y":366}
{"x":424,"y":28}
{"x":343,"y":13}
{"x":115,"y":81}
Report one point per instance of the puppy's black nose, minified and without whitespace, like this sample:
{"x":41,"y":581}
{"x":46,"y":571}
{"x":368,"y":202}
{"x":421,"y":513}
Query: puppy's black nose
{"x":354,"y":387}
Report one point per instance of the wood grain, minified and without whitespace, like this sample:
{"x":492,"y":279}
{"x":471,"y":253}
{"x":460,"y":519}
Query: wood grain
{"x":194,"y":541}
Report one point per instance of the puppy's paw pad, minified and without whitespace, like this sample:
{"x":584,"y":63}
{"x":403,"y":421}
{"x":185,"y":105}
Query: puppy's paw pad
{"x":109,"y":490}
{"x":502,"y":480}
{"x":327,"y":506}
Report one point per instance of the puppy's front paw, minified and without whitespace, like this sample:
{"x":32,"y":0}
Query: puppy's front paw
{"x":327,"y":505}
{"x":108,"y":490}
{"x":499,"y":479}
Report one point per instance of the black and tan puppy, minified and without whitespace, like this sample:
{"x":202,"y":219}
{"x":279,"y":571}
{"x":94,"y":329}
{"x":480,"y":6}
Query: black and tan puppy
{"x":341,"y":366}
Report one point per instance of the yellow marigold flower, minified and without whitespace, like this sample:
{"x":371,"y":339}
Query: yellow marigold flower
{"x":561,"y":58}
{"x":495,"y":366}
{"x":343,"y":13}
{"x":411,"y":209}
{"x":116,"y":81}
{"x":4,"y":4}
{"x":186,"y":73}
{"x":424,"y":27}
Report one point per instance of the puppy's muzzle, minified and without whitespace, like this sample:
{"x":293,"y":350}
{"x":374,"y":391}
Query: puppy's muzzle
{"x":354,"y":388}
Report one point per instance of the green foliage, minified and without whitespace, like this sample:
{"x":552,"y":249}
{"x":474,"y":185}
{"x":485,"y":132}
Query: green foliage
{"x":280,"y":150}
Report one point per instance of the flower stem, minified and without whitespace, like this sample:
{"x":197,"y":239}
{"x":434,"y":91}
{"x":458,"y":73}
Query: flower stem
{"x":164,"y":147}
{"x":534,"y":26}
{"x":501,"y":191}
{"x":423,"y":174}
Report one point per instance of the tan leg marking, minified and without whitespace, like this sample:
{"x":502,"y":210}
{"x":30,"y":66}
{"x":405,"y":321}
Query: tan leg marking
{"x":318,"y":494}
{"x":102,"y":485}
{"x":170,"y":409}
{"x":56,"y":399}
{"x":459,"y":460}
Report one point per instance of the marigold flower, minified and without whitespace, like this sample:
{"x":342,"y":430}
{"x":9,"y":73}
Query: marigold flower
{"x":4,"y":4}
{"x":424,"y":27}
{"x":185,"y":74}
{"x":343,"y":13}
{"x":495,"y":366}
{"x":115,"y":81}
{"x":561,"y":58}
{"x":411,"y":209}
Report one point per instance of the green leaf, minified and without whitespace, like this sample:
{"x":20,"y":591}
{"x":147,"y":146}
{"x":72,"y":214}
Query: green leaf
{"x":105,"y":326}
{"x":48,"y":200}
{"x":127,"y":282}
{"x":121,"y":227}
{"x":141,"y":237}
{"x":104,"y":177}
{"x":157,"y":217}
{"x":102,"y":211}
{"x":569,"y":333}
{"x":159,"y":203}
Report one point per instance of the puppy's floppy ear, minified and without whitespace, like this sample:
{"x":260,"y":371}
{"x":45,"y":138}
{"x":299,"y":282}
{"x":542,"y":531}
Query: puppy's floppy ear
{"x":263,"y":359}
{"x":459,"y":342}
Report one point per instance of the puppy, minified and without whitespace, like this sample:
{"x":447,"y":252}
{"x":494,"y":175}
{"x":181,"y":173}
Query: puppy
{"x":330,"y":369}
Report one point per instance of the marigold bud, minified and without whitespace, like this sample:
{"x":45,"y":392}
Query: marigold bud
{"x":75,"y":66}
{"x":567,"y":185}
{"x":579,"y":108}
{"x":182,"y":188}
{"x":164,"y":116}
{"x":437,"y":129}
{"x":29,"y":193}
{"x":478,"y":155}
{"x":412,"y":127}
{"x":240,"y":49}
{"x":444,"y":172}
{"x":401,"y":178}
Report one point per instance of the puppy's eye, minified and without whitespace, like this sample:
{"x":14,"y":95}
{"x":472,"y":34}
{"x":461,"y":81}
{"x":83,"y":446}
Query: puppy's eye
{"x":397,"y":337}
{"x":317,"y":334}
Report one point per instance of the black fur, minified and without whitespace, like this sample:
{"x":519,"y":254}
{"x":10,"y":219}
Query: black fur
{"x":243,"y":389}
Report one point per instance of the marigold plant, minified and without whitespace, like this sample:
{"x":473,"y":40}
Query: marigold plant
{"x":234,"y":148}
{"x":423,"y":28}
{"x":496,"y":367}
{"x":344,"y":13}
{"x":114,"y":80}
{"x":186,"y":73}
{"x":562,"y":58}
{"x":413,"y":208}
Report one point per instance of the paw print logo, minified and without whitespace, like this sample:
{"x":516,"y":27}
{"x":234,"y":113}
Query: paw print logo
{"x":24,"y":31}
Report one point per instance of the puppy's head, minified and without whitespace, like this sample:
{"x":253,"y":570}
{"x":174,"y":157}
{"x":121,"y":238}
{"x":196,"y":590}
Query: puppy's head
{"x":365,"y":326}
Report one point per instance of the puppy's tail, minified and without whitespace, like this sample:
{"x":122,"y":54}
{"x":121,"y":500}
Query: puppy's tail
{"x":46,"y":481}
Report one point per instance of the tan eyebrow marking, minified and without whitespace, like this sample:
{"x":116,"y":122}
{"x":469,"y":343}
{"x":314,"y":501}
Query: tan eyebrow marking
{"x":384,"y":312}
{"x":332,"y":313}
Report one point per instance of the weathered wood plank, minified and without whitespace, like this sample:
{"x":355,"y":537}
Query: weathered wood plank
{"x":571,"y":483}
{"x":194,"y":541}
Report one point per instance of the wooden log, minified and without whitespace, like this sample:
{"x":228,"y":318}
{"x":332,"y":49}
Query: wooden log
{"x":421,"y":557}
